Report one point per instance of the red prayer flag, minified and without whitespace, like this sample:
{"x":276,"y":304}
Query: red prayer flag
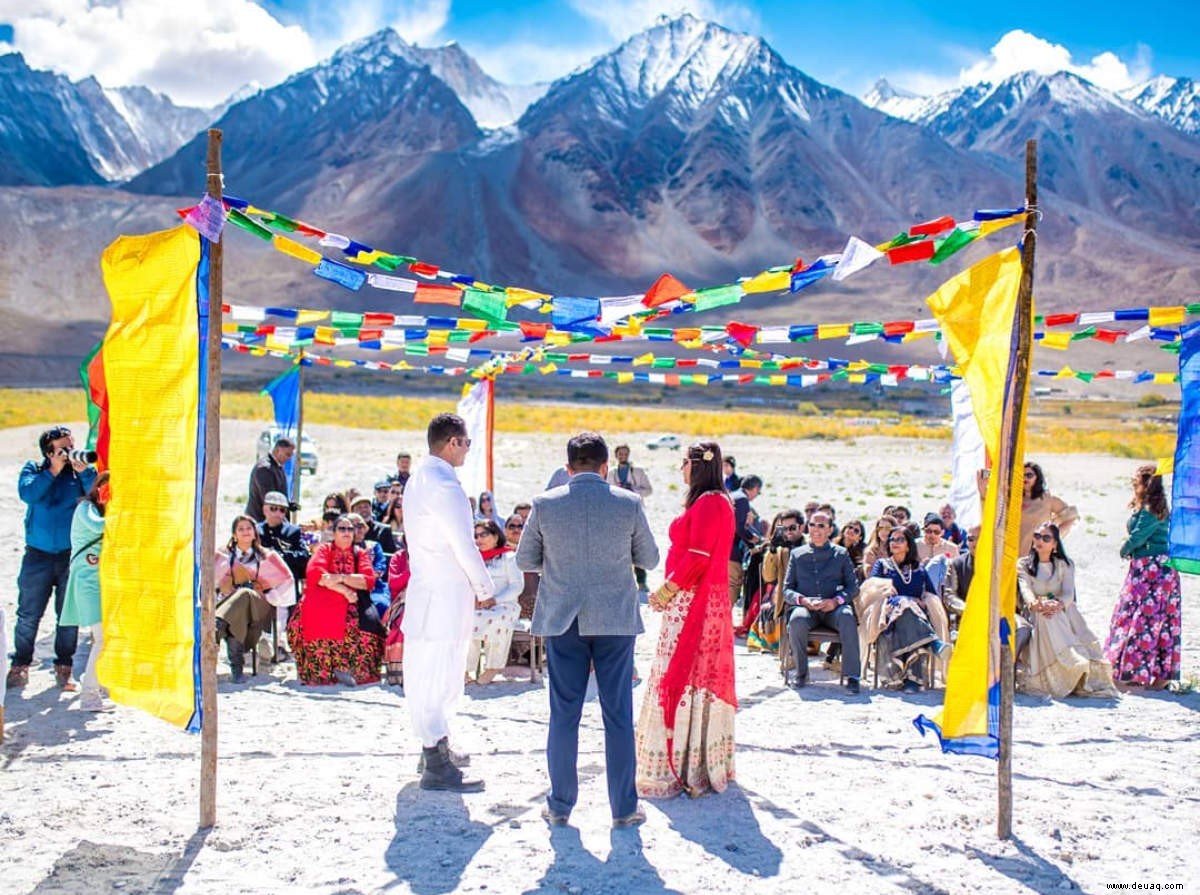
{"x":1109,"y":335}
{"x":433,"y":294}
{"x":377,"y":321}
{"x":666,"y":288}
{"x":531,"y":330}
{"x":914,"y":251}
{"x":422,"y":269}
{"x":898,"y":327}
{"x":742,"y":333}
{"x":1060,"y":319}
{"x":929,"y":228}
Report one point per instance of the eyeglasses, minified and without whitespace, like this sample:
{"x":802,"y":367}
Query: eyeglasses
{"x":349,"y":528}
{"x":790,"y":527}
{"x":482,"y":534}
{"x":971,"y":539}
{"x":897,"y":540}
{"x":1044,"y":538}
{"x":360,"y":526}
{"x":932,"y":528}
{"x":512,"y":527}
{"x":465,"y":442}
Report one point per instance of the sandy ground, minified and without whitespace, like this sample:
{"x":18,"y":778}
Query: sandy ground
{"x":834,"y":793}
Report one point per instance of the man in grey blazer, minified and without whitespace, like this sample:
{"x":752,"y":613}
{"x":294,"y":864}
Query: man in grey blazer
{"x":585,"y":538}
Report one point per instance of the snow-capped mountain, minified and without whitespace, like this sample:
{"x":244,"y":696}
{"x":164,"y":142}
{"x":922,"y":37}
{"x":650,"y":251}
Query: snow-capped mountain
{"x":1175,"y":100}
{"x":58,"y":132}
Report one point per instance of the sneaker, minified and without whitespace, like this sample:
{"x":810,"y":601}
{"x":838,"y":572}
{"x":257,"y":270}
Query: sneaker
{"x":852,"y":686}
{"x":554,"y":818}
{"x":633,"y":819}
{"x":18,"y":676}
{"x":62,"y":676}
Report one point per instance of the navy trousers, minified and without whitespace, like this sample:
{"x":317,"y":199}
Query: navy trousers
{"x":42,"y":575}
{"x":569,"y":658}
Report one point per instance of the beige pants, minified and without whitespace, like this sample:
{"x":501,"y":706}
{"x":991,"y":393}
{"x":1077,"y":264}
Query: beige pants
{"x":736,"y":575}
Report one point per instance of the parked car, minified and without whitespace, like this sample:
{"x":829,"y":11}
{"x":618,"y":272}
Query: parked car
{"x":664,"y":441}
{"x":308,"y":449}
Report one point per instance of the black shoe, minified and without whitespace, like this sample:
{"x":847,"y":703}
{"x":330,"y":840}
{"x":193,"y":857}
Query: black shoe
{"x":440,"y":774}
{"x":237,"y":676}
{"x":795,"y":681}
{"x":911,"y":687}
{"x":852,"y":686}
{"x":458,"y":759}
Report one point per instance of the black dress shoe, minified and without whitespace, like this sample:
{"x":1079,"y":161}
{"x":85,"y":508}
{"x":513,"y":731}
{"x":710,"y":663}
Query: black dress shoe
{"x":852,"y":685}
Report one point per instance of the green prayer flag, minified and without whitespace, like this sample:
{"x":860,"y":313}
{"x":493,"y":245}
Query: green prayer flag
{"x":958,"y":239}
{"x":238,"y":219}
{"x":901,"y":239}
{"x":1084,"y":376}
{"x":419,"y":349}
{"x":1083,"y":334}
{"x":660,"y":363}
{"x":279,"y":222}
{"x":717,"y":296}
{"x":867,"y":329}
{"x":489,"y":305}
{"x":345,"y":319}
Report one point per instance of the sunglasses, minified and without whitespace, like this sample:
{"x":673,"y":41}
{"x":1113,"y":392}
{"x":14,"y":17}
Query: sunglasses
{"x":511,"y":527}
{"x":465,"y":442}
{"x":274,"y":509}
{"x":897,"y":540}
{"x":790,"y":527}
{"x":482,"y":534}
{"x":1045,"y":538}
{"x":349,"y":528}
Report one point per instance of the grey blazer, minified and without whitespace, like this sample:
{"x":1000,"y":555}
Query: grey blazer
{"x":585,"y":537}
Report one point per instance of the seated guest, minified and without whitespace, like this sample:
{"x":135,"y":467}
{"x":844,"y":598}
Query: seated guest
{"x":514,"y":527}
{"x":877,"y":548}
{"x":486,"y":509}
{"x":819,"y":590}
{"x":495,"y":616}
{"x":952,"y":531}
{"x":851,"y":538}
{"x":733,"y":481}
{"x":382,"y":495}
{"x":334,"y":503}
{"x":787,"y":533}
{"x":398,"y":576}
{"x":959,"y":573}
{"x":1064,"y":657}
{"x":932,"y":542}
{"x":403,"y":469}
{"x":377,"y":532}
{"x":833,"y":526}
{"x":393,"y":515}
{"x":902,"y":515}
{"x":523,"y":510}
{"x":906,"y":626}
{"x":276,"y":533}
{"x":252,"y":582}
{"x":333,"y":640}
{"x":379,"y":562}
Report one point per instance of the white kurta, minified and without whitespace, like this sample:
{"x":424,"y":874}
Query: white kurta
{"x":448,"y":575}
{"x":494,"y":627}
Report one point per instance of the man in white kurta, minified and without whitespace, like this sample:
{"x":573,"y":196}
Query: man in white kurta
{"x":448,"y":576}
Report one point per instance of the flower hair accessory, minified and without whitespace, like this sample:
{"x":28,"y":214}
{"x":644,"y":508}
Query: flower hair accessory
{"x":707,"y":455}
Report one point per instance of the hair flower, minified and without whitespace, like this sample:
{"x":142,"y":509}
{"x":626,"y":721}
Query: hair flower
{"x":707,"y":455}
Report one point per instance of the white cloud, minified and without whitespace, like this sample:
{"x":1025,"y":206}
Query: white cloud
{"x":199,"y":53}
{"x":1019,"y":51}
{"x":622,"y":18}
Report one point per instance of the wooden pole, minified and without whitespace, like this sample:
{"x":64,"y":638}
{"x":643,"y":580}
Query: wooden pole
{"x":298,"y":471}
{"x":491,"y":428}
{"x":1014,"y":407}
{"x":208,"y":509}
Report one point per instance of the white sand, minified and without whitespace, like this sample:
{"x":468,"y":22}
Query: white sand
{"x":834,"y":793}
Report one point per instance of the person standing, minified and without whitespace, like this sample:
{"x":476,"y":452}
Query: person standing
{"x":81,"y":607}
{"x":743,"y":537}
{"x":1144,"y":637}
{"x":268,"y":475}
{"x":50,"y":489}
{"x":685,"y":731}
{"x":448,"y":577}
{"x":631,"y":478}
{"x":586,"y":538}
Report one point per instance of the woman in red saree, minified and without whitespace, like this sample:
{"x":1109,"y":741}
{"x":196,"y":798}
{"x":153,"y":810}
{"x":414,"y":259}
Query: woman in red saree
{"x":331,"y":640}
{"x":685,"y":731}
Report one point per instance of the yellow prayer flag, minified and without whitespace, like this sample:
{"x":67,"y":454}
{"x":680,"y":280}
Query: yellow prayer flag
{"x":1060,"y":341}
{"x":986,"y":228}
{"x":779,"y":281}
{"x":305,"y":316}
{"x":1167,"y":316}
{"x":151,"y":362}
{"x":833,"y":330}
{"x":857,"y":377}
{"x":295,"y":249}
{"x":781,"y":379}
{"x":1065,"y":373}
{"x":517,"y":296}
{"x":1164,"y":378}
{"x":643,"y":360}
{"x":914,"y":335}
{"x":1164,"y":466}
{"x":857,"y":365}
{"x":472,"y":325}
{"x":624,"y":378}
{"x":548,"y":368}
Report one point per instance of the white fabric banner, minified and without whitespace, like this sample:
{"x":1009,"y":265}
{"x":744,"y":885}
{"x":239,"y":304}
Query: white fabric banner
{"x":969,"y":457}
{"x":473,"y":408}
{"x":855,"y":257}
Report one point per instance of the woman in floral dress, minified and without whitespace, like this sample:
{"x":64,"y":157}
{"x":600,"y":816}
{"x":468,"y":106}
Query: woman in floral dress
{"x":331,"y":640}
{"x":685,"y":731}
{"x":1144,"y":637}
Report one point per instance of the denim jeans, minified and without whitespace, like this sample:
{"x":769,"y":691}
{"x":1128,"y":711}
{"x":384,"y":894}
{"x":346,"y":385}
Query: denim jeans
{"x":41,"y":573}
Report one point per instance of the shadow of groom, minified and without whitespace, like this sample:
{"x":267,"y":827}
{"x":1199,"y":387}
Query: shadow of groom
{"x":575,"y":868}
{"x":435,"y":840}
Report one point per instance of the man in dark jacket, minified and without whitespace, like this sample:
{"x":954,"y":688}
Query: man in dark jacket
{"x":377,"y":531}
{"x":51,"y":489}
{"x":268,"y":475}
{"x":277,"y":534}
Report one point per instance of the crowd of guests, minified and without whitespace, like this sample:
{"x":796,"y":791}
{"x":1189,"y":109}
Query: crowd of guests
{"x":333,"y":588}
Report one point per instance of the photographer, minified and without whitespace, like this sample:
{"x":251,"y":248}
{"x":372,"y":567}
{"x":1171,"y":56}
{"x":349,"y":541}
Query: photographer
{"x":51,"y":489}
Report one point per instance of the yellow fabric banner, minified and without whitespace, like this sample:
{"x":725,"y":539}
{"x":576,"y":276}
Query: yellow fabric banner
{"x":147,"y":567}
{"x":976,"y":312}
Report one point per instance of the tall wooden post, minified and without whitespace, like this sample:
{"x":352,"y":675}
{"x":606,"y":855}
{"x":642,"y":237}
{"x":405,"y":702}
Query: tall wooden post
{"x":1014,"y":406}
{"x":208,"y":509}
{"x":295,"y":495}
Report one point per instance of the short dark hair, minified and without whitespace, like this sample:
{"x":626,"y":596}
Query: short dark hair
{"x":522,"y":506}
{"x":828,"y":508}
{"x":51,"y":435}
{"x":752,"y":481}
{"x":587,"y":452}
{"x":284,"y":441}
{"x":792,"y":514}
{"x":442,"y":428}
{"x":493,"y":529}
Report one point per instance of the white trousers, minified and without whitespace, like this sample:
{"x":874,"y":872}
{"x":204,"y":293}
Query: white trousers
{"x":433,"y":685}
{"x":493,"y":630}
{"x":89,"y":682}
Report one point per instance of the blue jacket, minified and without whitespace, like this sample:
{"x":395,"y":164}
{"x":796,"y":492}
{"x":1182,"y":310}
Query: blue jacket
{"x":51,"y":503}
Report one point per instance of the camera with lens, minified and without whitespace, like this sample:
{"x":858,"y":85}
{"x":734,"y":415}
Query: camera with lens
{"x":80,"y":456}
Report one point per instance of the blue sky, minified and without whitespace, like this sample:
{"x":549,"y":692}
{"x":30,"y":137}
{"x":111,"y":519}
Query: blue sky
{"x":198,"y":53}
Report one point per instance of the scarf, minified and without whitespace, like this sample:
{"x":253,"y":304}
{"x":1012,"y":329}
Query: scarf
{"x":489,"y":555}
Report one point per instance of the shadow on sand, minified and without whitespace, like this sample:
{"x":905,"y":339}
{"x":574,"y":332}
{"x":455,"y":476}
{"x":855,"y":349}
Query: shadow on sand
{"x":574,"y":865}
{"x":92,"y":866}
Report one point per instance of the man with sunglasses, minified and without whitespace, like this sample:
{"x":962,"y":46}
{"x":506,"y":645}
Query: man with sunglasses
{"x":819,"y":590}
{"x":50,"y":489}
{"x":448,"y":577}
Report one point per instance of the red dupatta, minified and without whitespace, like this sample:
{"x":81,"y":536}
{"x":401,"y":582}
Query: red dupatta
{"x":701,"y":540}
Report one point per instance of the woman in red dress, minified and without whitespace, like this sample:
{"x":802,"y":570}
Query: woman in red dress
{"x":329,"y":639}
{"x":685,"y":731}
